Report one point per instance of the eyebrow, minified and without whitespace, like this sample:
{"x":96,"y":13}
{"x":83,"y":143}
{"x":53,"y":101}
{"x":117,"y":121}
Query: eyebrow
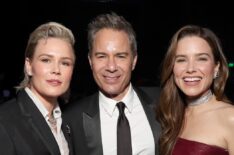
{"x":51,"y":56}
{"x":117,"y":53}
{"x":198,"y":54}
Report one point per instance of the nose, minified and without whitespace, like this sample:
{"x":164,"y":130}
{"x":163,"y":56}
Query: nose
{"x":191,"y":67}
{"x":111,"y":65}
{"x":55,"y":69}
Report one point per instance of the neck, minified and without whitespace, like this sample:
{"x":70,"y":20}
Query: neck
{"x":201,"y":100}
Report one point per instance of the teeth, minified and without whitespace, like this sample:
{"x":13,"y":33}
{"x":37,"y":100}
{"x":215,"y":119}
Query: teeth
{"x":191,"y":79}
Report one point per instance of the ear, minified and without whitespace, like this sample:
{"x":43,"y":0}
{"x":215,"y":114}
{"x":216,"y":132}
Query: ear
{"x":134,"y":62}
{"x":28,"y":66}
{"x":90,"y":61}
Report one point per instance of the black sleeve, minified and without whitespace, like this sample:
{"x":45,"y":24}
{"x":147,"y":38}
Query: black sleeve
{"x":6,"y":143}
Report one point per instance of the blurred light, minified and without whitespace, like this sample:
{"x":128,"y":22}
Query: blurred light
{"x":6,"y":93}
{"x":231,"y":64}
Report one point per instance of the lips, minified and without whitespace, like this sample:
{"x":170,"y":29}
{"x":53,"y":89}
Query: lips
{"x":192,"y":79}
{"x":54,"y":82}
{"x":111,"y":79}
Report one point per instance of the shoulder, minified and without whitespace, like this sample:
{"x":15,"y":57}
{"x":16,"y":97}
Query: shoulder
{"x":10,"y":114}
{"x":223,"y":110}
{"x":80,"y":105}
{"x":9,"y":107}
{"x":228,"y":114}
{"x":225,"y":113}
{"x":228,"y":119}
{"x":150,"y":92}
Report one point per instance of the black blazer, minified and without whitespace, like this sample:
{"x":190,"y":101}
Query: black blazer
{"x":84,"y":119}
{"x":24,"y":131}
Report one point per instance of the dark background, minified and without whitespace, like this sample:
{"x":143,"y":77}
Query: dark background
{"x":154,"y":22}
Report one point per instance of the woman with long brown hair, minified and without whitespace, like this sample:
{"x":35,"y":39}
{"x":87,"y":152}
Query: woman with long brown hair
{"x":194,"y":113}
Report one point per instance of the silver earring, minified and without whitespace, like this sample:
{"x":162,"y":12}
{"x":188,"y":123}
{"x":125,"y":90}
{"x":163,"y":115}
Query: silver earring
{"x":216,"y":75}
{"x":29,"y":74}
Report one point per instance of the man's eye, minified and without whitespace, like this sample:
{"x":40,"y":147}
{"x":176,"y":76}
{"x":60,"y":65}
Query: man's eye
{"x":121,"y":56}
{"x":100,"y":56}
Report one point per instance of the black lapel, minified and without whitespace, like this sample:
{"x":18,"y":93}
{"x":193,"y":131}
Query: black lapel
{"x":92,"y":126}
{"x":37,"y":121}
{"x":67,"y":134}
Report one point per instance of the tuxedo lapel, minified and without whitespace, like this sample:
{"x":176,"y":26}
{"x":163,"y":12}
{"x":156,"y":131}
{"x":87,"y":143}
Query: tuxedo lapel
{"x":67,"y":134}
{"x":92,"y":127}
{"x":37,"y":122}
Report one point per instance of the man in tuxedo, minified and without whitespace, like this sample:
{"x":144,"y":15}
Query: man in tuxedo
{"x":94,"y":119}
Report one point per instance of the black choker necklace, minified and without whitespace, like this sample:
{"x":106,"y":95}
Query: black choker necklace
{"x":201,"y":100}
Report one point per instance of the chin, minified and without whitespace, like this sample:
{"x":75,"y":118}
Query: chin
{"x":192,"y":94}
{"x":110,"y":92}
{"x":54,"y":94}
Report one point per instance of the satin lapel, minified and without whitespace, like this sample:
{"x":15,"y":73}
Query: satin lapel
{"x":38,"y":123}
{"x":92,"y":127}
{"x":67,"y":134}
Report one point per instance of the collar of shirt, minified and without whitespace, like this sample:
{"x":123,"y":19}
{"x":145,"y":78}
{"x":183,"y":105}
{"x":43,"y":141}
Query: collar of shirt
{"x":41,"y":107}
{"x":109,"y":105}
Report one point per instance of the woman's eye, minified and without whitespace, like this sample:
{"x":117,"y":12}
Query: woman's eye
{"x":45,"y":60}
{"x":203,"y":59}
{"x":66,"y":63}
{"x":180,"y":60}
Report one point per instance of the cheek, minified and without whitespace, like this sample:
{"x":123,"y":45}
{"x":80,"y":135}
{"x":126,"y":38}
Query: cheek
{"x":126,"y":66}
{"x":178,"y":70}
{"x":97,"y":65}
{"x":207,"y":70}
{"x":68,"y":74}
{"x":40,"y":70}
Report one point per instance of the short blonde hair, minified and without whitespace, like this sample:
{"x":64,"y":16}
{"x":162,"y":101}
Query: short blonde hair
{"x":44,"y":31}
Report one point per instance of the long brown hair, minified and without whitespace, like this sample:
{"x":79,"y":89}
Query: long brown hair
{"x":171,"y":109}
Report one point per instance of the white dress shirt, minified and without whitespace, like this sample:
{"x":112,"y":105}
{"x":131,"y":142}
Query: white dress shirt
{"x":141,"y":133}
{"x":58,"y":135}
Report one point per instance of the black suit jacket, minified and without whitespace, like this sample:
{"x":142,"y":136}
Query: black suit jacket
{"x":24,"y":131}
{"x":84,"y":119}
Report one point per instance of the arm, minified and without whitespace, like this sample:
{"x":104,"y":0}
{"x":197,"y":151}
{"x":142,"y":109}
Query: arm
{"x":6,"y":145}
{"x":230,"y":136}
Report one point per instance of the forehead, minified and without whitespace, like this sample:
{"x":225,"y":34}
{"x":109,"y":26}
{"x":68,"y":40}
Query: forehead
{"x":110,"y":41}
{"x":54,"y":46}
{"x":193,"y":44}
{"x":111,"y":35}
